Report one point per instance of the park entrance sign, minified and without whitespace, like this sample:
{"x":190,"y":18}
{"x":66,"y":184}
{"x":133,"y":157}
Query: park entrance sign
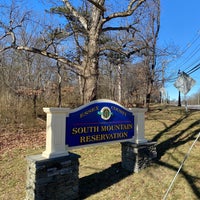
{"x":99,"y":122}
{"x":54,"y":174}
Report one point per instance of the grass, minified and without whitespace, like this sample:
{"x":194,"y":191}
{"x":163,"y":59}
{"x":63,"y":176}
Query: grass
{"x":100,"y":172}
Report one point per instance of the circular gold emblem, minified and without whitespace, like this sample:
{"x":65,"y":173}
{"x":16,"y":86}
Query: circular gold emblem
{"x":105,"y":113}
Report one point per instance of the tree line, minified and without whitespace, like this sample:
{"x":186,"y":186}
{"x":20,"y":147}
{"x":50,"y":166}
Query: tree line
{"x":79,"y":51}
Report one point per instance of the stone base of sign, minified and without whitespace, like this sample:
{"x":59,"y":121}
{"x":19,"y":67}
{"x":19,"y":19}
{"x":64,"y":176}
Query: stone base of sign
{"x":136,"y":157}
{"x":54,"y":178}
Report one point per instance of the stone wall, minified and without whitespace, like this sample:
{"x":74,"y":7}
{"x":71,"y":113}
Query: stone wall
{"x":52,"y":179}
{"x":136,"y":157}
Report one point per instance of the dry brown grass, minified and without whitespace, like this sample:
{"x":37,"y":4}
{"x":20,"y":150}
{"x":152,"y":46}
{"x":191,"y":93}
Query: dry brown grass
{"x":101,"y":176}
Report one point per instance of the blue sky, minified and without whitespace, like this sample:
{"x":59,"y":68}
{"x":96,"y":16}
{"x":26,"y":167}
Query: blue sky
{"x":180,"y":25}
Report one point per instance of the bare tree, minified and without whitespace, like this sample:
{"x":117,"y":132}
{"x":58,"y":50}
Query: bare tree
{"x":86,"y":25}
{"x":152,"y":37}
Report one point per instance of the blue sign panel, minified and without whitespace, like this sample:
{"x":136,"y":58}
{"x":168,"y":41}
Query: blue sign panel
{"x":98,"y":122}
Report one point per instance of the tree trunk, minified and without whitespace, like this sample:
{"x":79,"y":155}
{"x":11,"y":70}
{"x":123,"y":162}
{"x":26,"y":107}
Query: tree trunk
{"x":89,"y":87}
{"x":35,"y":106}
{"x":90,"y":72}
{"x":119,"y":82}
{"x":59,"y":85}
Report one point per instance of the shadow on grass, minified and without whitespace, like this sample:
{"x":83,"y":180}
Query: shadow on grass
{"x":190,"y":179}
{"x":95,"y":183}
{"x":177,"y":140}
{"x":174,"y":142}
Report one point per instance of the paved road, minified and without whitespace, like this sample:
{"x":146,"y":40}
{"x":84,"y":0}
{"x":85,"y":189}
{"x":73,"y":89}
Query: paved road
{"x":197,"y":107}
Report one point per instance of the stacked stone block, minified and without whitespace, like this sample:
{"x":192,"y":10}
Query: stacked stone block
{"x":52,"y":179}
{"x":136,"y":157}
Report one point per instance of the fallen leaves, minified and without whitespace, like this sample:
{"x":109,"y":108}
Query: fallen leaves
{"x":20,"y":139}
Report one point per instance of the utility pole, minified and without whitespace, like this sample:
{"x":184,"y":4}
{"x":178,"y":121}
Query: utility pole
{"x":119,"y":82}
{"x":162,"y":89}
{"x":163,"y":74}
{"x":179,"y":93}
{"x":179,"y":98}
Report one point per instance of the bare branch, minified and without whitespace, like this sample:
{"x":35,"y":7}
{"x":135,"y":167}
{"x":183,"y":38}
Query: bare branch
{"x":97,"y":5}
{"x":3,"y":26}
{"x":133,"y":5}
{"x":121,"y":51}
{"x":49,"y":55}
{"x":5,"y":49}
{"x":76,"y":14}
{"x":120,"y":28}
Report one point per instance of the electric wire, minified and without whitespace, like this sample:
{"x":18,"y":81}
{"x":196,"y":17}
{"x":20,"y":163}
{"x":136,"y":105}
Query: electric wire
{"x":192,"y":42}
{"x":194,"y":69}
{"x":194,"y":63}
{"x":190,"y":54}
{"x":189,"y":45}
{"x":196,"y":66}
{"x":189,"y":69}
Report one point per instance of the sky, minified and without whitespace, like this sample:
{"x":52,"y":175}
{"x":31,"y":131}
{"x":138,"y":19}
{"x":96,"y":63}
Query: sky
{"x":180,"y":26}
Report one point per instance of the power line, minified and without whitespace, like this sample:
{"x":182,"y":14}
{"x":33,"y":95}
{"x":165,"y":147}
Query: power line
{"x":190,"y":44}
{"x":194,"y":63}
{"x":191,"y":54}
{"x":194,"y":69}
